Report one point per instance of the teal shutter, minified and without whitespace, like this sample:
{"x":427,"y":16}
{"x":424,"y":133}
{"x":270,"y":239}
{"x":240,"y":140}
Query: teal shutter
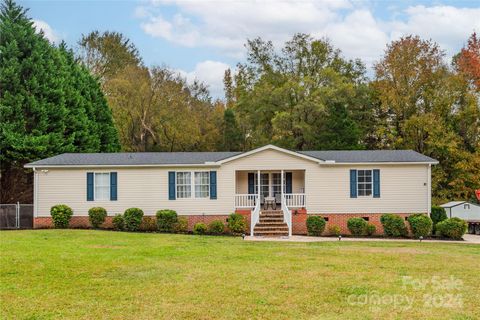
{"x":213,"y":184}
{"x":113,"y":186}
{"x":89,"y":186}
{"x":353,"y":183}
{"x":288,"y":182}
{"x":171,"y":185}
{"x":376,"y":183}
{"x":251,"y":183}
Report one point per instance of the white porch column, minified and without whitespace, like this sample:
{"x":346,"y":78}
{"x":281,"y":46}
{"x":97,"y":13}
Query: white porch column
{"x":258,"y":184}
{"x":281,"y":184}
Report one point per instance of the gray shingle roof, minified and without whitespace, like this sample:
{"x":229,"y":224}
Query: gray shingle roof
{"x":355,"y":156}
{"x":185,"y":158}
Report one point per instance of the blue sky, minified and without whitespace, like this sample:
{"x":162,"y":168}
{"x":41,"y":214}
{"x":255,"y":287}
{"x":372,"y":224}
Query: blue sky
{"x":202,"y":38}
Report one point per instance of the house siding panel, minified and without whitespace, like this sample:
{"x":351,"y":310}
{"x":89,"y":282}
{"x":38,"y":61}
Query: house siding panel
{"x":326,"y":186}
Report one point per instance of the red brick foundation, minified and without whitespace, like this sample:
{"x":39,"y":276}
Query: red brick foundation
{"x":299,"y":218}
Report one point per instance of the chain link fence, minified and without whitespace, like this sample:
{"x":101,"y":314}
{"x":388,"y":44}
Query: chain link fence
{"x":16,"y":216}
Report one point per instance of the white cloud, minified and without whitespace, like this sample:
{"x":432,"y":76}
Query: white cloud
{"x":48,"y":31}
{"x":352,"y":26}
{"x":209,"y":72}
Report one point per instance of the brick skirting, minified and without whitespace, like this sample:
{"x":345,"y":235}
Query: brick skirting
{"x":299,"y":218}
{"x":83,"y":222}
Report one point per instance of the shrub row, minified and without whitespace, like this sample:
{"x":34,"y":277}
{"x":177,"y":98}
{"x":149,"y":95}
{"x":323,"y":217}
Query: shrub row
{"x":133,"y":220}
{"x":420,"y":225}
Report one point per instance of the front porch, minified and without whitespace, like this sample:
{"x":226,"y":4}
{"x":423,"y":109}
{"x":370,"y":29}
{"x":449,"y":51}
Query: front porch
{"x":264,"y":191}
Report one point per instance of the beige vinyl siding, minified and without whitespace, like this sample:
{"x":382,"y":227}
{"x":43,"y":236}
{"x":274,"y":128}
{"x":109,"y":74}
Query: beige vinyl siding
{"x":326,"y":186}
{"x":242,"y":181}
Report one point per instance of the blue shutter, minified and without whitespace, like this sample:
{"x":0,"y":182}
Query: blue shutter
{"x":353,"y":183}
{"x":251,"y":183}
{"x":288,"y":182}
{"x":89,"y":186}
{"x":171,"y":185}
{"x":213,"y":184}
{"x":376,"y":183}
{"x":113,"y":186}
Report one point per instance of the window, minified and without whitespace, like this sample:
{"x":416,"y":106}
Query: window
{"x":102,"y":186}
{"x":202,"y":184}
{"x":184,"y":184}
{"x":277,"y":184}
{"x":364,"y":182}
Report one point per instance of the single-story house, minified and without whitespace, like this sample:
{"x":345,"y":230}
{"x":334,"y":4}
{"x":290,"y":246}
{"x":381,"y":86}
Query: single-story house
{"x":463,"y":210}
{"x":274,"y":188}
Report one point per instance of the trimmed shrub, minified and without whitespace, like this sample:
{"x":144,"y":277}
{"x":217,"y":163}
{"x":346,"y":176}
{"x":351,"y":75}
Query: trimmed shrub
{"x":370,"y":229}
{"x":118,"y":222}
{"x":97,"y":216}
{"x":61,"y":215}
{"x":453,"y":228}
{"x":236,"y":223}
{"x":420,"y":225}
{"x":393,"y":225}
{"x":438,"y":214}
{"x":133,"y":219}
{"x":357,"y":226}
{"x":200,"y":228}
{"x":166,"y":220}
{"x":181,"y":226}
{"x":216,"y":227}
{"x":315,"y":225}
{"x":148,"y":224}
{"x":334,"y":230}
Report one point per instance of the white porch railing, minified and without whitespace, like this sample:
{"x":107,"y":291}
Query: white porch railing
{"x":287,"y":215}
{"x":255,"y":217}
{"x":295,"y":200}
{"x":245,"y":200}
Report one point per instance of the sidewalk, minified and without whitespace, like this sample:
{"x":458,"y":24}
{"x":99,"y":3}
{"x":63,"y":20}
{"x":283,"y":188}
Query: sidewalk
{"x":468,"y":239}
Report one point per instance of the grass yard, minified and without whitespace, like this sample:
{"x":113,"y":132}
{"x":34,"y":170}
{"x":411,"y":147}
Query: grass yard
{"x":82,"y":274}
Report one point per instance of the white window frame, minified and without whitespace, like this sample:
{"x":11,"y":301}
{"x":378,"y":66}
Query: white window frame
{"x":192,"y":184}
{"x":365,"y":183}
{"x":183,"y":184}
{"x":95,"y":198}
{"x":195,"y":184}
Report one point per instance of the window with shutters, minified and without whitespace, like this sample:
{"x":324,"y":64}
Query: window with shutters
{"x":202,"y":184}
{"x":102,"y":186}
{"x":184,"y":184}
{"x":364,"y":182}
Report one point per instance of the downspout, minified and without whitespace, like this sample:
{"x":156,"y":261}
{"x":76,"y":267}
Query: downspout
{"x":429,"y":190}
{"x":35,"y":192}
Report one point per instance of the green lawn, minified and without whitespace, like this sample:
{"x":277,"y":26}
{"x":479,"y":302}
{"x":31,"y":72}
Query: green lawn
{"x":46,"y":274}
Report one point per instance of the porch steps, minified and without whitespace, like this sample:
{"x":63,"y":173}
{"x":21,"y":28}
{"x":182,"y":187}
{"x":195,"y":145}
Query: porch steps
{"x":271,"y":224}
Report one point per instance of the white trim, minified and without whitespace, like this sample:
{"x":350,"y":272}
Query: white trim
{"x":95,"y":189}
{"x":35,"y":192}
{"x":192,"y":185}
{"x":371,"y":182}
{"x":269,"y":147}
{"x":75,"y":166}
{"x":429,"y":190}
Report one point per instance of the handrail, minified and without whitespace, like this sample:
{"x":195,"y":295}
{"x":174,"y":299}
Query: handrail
{"x":287,"y":215}
{"x":255,"y":217}
{"x":245,"y":200}
{"x":295,"y":200}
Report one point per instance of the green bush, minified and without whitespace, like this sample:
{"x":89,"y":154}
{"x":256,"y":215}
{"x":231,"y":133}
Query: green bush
{"x":393,"y":225}
{"x":236,"y":223}
{"x":420,"y":225}
{"x":148,"y":224}
{"x":200,"y":228}
{"x":315,"y":225}
{"x":370,"y":229}
{"x":61,"y":215}
{"x":97,"y":216}
{"x":133,"y":219}
{"x":118,"y":222}
{"x":334,"y":230}
{"x":181,"y":226}
{"x":438,"y":214}
{"x":453,"y":228}
{"x":216,"y":227}
{"x":166,"y":220}
{"x":357,"y":226}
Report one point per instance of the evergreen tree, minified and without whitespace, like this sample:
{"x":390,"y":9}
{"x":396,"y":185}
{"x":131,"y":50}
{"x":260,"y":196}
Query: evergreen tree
{"x":232,"y":136}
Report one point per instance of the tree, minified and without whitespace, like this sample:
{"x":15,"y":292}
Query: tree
{"x":42,"y":103}
{"x":232,"y":136}
{"x":468,"y":61}
{"x":293,"y":97}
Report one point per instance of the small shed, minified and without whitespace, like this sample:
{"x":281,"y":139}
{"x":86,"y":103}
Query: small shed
{"x":462,"y":209}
